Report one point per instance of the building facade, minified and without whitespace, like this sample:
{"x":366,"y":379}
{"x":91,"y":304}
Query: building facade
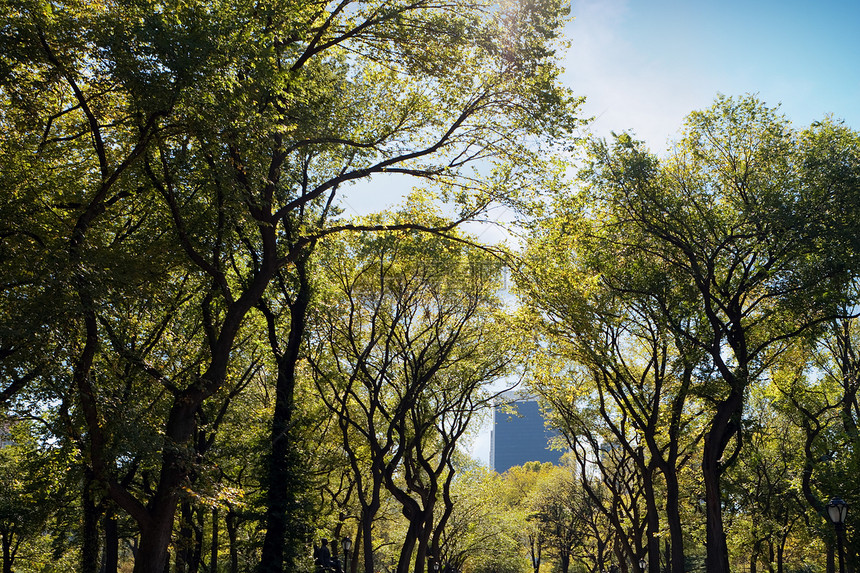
{"x":520,"y":436}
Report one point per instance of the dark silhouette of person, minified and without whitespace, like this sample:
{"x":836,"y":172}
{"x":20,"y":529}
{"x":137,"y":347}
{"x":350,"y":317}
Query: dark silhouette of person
{"x":324,"y":557}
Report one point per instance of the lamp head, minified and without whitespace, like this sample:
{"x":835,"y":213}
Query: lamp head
{"x":837,"y":509}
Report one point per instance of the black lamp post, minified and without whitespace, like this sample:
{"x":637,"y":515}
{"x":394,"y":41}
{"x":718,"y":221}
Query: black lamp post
{"x":837,"y":509}
{"x":435,"y":567}
{"x":642,"y":564}
{"x":346,"y":543}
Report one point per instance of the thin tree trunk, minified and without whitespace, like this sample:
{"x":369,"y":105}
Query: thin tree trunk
{"x":213,"y":555}
{"x":230,"y":523}
{"x":653,"y":520}
{"x":756,"y":551}
{"x":367,"y":545}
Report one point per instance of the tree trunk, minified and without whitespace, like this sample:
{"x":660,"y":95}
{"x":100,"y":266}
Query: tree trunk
{"x":756,"y":551}
{"x":90,"y":529}
{"x":367,"y":514}
{"x":7,"y":552}
{"x":157,"y":527}
{"x":673,"y":520}
{"x":771,"y":557}
{"x":152,"y":552}
{"x":565,"y":562}
{"x":111,"y":564}
{"x":185,"y":542}
{"x":283,"y":467}
{"x":653,"y":520}
{"x":232,"y":526}
{"x":723,"y":428}
{"x":416,"y":519}
{"x":780,"y":554}
{"x":213,"y":555}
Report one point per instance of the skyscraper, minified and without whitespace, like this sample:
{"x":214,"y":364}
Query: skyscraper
{"x":521,"y":436}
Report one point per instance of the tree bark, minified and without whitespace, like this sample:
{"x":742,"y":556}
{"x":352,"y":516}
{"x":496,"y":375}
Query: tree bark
{"x":7,"y":552}
{"x":723,"y":428}
{"x":90,"y":529}
{"x":283,"y":464}
{"x":111,"y":563}
{"x":213,"y":555}
{"x":232,"y":526}
{"x":673,"y":520}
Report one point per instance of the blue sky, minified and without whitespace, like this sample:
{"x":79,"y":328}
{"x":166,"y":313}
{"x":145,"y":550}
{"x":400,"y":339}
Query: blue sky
{"x":644,"y":65}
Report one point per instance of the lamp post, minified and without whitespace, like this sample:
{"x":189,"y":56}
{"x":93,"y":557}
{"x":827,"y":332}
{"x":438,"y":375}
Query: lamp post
{"x":837,"y":509}
{"x":435,"y":567}
{"x":642,"y":564}
{"x":346,"y":543}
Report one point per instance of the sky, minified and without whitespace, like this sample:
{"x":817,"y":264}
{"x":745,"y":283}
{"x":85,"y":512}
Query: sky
{"x":644,"y":65}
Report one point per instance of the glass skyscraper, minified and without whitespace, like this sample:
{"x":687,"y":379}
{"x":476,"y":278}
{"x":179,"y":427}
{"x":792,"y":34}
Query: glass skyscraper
{"x":519,"y":437}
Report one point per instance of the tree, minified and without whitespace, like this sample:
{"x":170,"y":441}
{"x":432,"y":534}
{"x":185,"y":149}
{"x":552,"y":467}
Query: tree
{"x":484,"y":528}
{"x":743,"y":223}
{"x":407,"y":342}
{"x":637,"y":372}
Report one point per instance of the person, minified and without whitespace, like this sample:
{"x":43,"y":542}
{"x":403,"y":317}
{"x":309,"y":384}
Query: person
{"x":323,"y":557}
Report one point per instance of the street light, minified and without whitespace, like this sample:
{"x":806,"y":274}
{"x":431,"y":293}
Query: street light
{"x":346,"y":543}
{"x":837,"y":509}
{"x":435,"y":566}
{"x":642,"y":564}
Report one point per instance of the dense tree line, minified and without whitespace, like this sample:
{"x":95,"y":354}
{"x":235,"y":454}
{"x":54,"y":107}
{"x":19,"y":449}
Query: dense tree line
{"x":206,"y":366}
{"x":684,"y":299}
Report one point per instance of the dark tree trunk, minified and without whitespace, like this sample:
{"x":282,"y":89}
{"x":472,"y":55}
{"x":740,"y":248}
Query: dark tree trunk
{"x":756,"y":551}
{"x":157,"y":527}
{"x":283,"y":469}
{"x":771,"y":557}
{"x":717,"y":557}
{"x":232,"y":526}
{"x":565,"y":562}
{"x":653,"y":520}
{"x":7,"y":552}
{"x":90,"y":529}
{"x":152,"y":552}
{"x":673,"y":520}
{"x":213,"y":555}
{"x":367,"y":514}
{"x":185,"y":542}
{"x":111,"y":563}
{"x":723,"y":429}
{"x":780,"y":555}
{"x":416,"y":520}
{"x":196,"y":557}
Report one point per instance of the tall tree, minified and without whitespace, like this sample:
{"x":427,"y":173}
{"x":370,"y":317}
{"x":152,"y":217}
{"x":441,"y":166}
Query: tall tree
{"x":742,"y":222}
{"x":408,"y":338}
